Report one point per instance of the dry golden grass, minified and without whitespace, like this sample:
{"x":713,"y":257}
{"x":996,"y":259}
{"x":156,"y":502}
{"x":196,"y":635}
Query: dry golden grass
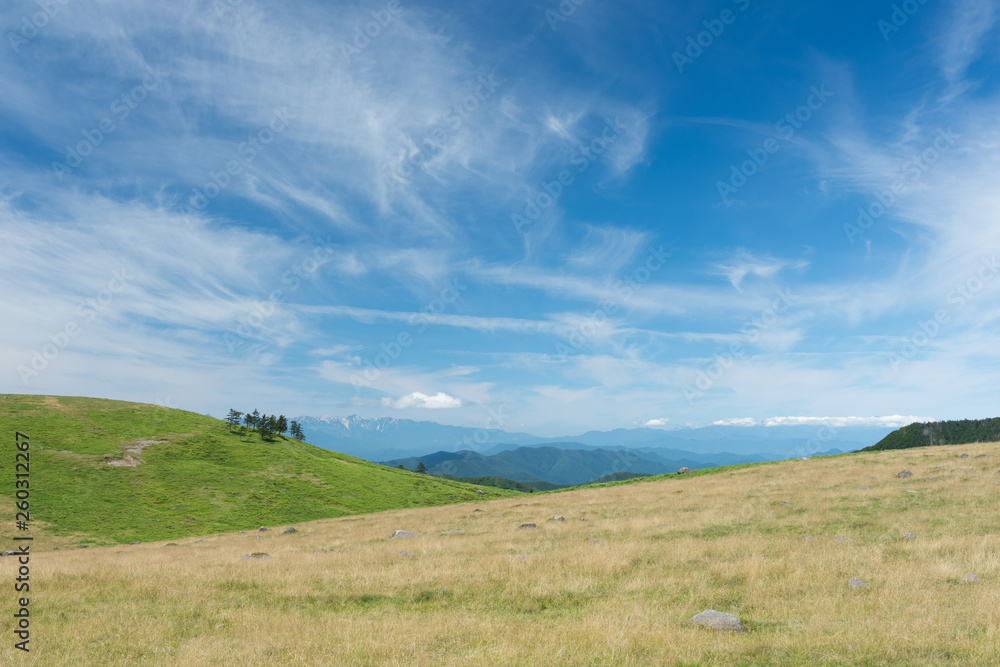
{"x":728,"y":544}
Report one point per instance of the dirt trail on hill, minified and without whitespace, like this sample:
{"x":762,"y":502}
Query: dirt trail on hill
{"x":129,"y":461}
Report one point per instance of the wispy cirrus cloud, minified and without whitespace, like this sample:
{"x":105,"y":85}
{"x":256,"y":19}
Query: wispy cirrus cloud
{"x":563,"y":323}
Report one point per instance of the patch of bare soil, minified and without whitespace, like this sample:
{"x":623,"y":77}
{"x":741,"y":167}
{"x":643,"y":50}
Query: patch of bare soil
{"x":129,"y":461}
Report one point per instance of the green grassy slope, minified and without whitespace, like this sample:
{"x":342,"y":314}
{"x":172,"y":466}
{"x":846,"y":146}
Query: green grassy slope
{"x":203,"y":480}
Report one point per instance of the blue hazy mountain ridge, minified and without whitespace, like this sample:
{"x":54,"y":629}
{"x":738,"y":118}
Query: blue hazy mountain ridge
{"x":385,"y":438}
{"x":546,"y":464}
{"x":567,"y":466}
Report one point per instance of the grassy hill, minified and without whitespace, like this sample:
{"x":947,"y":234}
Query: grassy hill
{"x":195,"y":478}
{"x":929,"y":434}
{"x":775,"y":544}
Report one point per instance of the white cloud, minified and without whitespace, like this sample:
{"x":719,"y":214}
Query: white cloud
{"x":491,"y":324}
{"x":656,"y":422}
{"x":439,"y":401}
{"x":745,"y":264}
{"x":336,"y":350}
{"x":891,"y":421}
{"x":964,"y":37}
{"x":737,"y":421}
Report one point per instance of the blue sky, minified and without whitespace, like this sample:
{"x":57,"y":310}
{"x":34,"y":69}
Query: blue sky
{"x":585,"y":215}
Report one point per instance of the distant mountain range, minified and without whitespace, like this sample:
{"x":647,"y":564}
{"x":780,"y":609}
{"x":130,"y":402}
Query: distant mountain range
{"x":385,"y":439}
{"x":570,"y":466}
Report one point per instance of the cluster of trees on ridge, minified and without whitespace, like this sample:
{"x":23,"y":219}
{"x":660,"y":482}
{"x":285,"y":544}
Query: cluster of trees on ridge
{"x":267,"y":426}
{"x":963,"y":432}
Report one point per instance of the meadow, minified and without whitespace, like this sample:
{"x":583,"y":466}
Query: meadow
{"x":619,"y":588}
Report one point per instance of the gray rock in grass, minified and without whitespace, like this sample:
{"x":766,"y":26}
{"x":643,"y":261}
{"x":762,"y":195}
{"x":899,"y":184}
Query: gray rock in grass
{"x":404,"y":534}
{"x":718,"y":620}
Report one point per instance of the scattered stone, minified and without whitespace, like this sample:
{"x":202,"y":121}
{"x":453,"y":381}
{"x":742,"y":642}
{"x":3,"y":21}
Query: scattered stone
{"x":320,"y":551}
{"x":262,"y":529}
{"x":963,"y":456}
{"x":811,"y":538}
{"x":586,"y":519}
{"x":718,"y":620}
{"x":480,"y":492}
{"x":911,"y":491}
{"x":220,"y":626}
{"x":865,"y":488}
{"x":872,"y":477}
{"x":404,"y":534}
{"x":971,"y":578}
{"x":983,"y":456}
{"x":963,"y":469}
{"x":479,"y":511}
{"x":842,"y":539}
{"x":288,"y":530}
{"x":520,"y":557}
{"x":782,"y":502}
{"x":683,"y":471}
{"x":74,"y":468}
{"x":451,"y":532}
{"x":256,"y":555}
{"x":927,"y":479}
{"x":558,"y":518}
{"x":241,"y":532}
{"x":407,"y":553}
{"x":903,"y":474}
{"x":909,"y":536}
{"x":939,"y":467}
{"x":856,"y":583}
{"x":133,"y":543}
{"x":526,"y":526}
{"x":594,"y":539}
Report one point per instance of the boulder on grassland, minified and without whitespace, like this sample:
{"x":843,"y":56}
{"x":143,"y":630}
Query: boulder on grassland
{"x":718,"y":620}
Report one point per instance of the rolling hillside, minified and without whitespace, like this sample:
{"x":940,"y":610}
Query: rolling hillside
{"x":107,"y":472}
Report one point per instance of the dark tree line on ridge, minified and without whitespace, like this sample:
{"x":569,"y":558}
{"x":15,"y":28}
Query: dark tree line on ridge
{"x":928,"y":434}
{"x":267,"y":426}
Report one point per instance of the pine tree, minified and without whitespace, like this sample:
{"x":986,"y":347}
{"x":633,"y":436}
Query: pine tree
{"x":234,"y":419}
{"x":421,"y":468}
{"x":266,"y":427}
